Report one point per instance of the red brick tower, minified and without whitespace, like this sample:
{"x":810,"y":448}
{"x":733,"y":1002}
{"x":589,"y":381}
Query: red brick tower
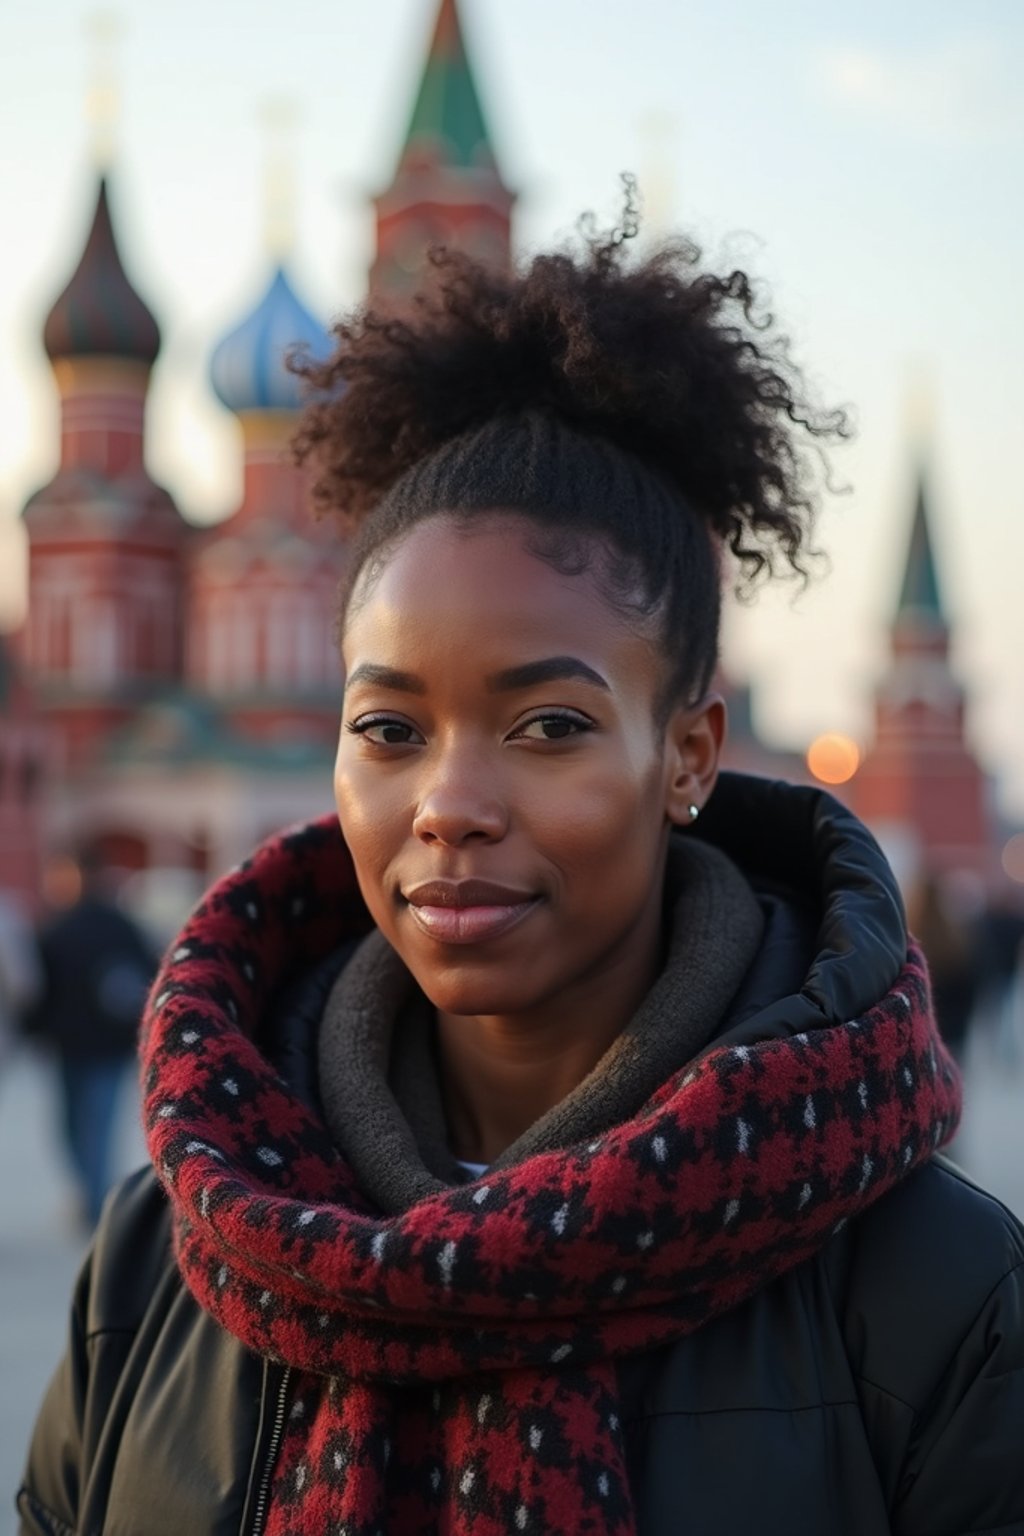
{"x":447,"y":189}
{"x":105,"y":542}
{"x":920,"y":787}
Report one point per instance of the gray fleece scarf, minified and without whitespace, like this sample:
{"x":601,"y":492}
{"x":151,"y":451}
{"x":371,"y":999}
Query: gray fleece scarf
{"x":379,"y":1083}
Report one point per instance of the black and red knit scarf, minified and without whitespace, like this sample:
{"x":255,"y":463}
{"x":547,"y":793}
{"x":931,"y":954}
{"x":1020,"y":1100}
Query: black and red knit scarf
{"x":453,"y":1367}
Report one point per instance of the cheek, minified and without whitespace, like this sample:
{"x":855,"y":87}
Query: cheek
{"x":607,"y":814}
{"x":367,"y":806}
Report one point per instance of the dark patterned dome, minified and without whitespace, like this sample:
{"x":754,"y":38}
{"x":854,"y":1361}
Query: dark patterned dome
{"x":99,"y":314}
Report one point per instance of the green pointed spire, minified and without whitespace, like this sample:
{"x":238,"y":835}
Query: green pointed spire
{"x":447,"y":116}
{"x":920,"y":591}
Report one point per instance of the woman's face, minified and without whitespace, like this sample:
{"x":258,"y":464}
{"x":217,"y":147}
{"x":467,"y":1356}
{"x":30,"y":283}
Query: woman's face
{"x":500,"y":780}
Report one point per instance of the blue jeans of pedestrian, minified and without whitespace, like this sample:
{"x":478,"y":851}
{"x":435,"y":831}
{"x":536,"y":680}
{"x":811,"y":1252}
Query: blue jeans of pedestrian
{"x":90,"y":1091}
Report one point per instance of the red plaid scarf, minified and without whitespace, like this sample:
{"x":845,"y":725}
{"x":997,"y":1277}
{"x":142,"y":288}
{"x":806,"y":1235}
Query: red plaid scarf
{"x":454,"y":1366}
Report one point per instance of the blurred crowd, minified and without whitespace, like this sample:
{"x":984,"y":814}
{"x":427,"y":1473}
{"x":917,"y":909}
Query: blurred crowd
{"x":72,"y":988}
{"x":975,"y":952}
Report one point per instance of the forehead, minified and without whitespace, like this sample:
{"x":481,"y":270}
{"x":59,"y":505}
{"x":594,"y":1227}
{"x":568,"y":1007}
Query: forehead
{"x":483,"y":582}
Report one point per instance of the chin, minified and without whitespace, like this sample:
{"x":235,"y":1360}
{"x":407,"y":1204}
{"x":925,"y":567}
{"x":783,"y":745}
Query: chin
{"x":459,"y":991}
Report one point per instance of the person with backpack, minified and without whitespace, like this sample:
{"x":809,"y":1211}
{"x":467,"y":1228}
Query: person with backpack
{"x":96,"y":965}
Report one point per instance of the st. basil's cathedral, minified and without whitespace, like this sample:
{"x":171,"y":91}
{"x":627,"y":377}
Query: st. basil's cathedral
{"x":175,"y":692}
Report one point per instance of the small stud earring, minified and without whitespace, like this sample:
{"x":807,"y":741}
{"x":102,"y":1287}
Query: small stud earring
{"x":694,"y":812}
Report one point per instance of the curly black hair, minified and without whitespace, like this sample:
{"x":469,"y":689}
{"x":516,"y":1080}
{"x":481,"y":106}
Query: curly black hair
{"x":682,"y":369}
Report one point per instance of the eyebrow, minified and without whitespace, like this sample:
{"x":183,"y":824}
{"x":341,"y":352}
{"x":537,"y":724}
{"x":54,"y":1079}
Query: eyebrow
{"x":385,"y":677}
{"x":552,"y":669}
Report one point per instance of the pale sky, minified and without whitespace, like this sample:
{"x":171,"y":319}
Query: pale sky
{"x":866,"y":161}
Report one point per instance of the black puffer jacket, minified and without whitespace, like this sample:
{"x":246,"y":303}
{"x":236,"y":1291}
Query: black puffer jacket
{"x":878,"y":1388}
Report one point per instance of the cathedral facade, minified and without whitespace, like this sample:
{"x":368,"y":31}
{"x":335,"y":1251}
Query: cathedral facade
{"x":185,"y":683}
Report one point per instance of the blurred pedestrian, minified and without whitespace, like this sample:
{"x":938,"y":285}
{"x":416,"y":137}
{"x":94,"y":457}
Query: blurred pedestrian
{"x":950,"y":943}
{"x":1001,"y":1004}
{"x":19,"y":973}
{"x":96,"y":967}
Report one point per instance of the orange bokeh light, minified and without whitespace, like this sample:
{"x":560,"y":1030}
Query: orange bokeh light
{"x":833,"y":758}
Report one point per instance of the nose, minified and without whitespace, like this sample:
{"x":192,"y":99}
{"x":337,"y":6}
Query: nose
{"x":460,"y":804}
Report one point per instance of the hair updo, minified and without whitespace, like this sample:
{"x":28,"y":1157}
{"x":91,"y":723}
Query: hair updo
{"x":641,"y":417}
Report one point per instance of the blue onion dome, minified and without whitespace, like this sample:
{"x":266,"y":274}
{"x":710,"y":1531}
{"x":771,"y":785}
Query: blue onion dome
{"x":99,"y":314}
{"x":248,"y":370}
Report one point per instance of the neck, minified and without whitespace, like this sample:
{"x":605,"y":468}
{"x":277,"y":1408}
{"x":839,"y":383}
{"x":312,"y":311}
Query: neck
{"x":501,"y":1073}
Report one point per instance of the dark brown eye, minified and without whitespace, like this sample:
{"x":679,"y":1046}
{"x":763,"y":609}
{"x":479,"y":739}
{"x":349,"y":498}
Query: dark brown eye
{"x":385,"y":732}
{"x":554,"y":727}
{"x":393,"y":734}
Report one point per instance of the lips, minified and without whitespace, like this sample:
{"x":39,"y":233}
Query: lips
{"x":467,"y":911}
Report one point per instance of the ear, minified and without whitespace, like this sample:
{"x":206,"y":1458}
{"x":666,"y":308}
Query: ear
{"x":693,"y":744}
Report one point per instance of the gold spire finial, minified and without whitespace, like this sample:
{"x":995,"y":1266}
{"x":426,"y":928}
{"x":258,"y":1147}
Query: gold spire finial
{"x":279,"y":116}
{"x":103,"y":29}
{"x":919,"y":407}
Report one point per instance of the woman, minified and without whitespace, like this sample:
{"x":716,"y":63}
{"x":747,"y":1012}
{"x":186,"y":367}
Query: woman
{"x":520,"y":1151}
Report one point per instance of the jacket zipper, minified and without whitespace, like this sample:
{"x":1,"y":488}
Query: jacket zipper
{"x":277,"y":1430}
{"x":44,"y":1516}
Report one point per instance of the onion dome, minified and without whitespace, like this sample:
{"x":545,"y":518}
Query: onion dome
{"x":99,"y":314}
{"x":248,"y":369}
